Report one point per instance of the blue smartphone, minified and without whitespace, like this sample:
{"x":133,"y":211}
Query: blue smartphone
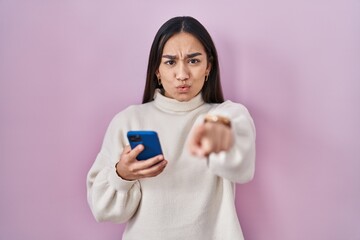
{"x":150,"y":141}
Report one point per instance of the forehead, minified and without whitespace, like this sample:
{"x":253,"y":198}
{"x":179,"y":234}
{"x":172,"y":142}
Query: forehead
{"x":183,"y":42}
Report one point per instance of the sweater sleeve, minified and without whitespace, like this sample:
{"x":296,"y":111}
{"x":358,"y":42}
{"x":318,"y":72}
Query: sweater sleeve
{"x":237,"y":164}
{"x":110,"y":197}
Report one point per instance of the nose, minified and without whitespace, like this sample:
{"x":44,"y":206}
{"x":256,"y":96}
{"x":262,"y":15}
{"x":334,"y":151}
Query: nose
{"x":182,"y":72}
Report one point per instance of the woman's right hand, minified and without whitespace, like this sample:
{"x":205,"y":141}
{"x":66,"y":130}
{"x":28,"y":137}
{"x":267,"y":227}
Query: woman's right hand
{"x":129,"y":168}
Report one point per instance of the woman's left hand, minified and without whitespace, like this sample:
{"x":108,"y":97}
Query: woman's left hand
{"x":209,"y":138}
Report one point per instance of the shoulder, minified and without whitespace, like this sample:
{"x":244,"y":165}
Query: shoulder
{"x":131,"y":112}
{"x":129,"y":118}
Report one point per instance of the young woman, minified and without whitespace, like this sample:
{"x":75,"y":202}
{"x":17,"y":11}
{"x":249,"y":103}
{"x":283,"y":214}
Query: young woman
{"x":208,"y":145}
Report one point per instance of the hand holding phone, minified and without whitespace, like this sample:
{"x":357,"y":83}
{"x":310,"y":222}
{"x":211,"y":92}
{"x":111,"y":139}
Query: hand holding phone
{"x":130,"y":168}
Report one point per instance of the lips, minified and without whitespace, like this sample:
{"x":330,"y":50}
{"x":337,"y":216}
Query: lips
{"x":183,"y":88}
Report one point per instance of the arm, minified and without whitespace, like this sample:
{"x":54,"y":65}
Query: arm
{"x":235,"y":158}
{"x":110,"y":197}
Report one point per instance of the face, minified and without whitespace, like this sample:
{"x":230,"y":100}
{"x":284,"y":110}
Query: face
{"x":183,"y":67}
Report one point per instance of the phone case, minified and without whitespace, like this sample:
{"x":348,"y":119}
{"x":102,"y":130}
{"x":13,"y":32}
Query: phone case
{"x":150,"y":141}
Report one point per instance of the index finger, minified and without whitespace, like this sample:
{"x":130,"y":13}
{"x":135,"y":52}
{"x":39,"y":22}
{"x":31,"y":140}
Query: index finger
{"x":195,"y":139}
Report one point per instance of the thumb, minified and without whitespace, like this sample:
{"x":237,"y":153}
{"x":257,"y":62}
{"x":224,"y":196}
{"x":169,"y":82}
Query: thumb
{"x":136,"y":151}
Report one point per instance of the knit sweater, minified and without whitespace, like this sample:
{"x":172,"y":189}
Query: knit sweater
{"x":193,"y":198}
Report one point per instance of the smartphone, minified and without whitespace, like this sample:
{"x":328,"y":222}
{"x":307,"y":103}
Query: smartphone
{"x":150,"y":141}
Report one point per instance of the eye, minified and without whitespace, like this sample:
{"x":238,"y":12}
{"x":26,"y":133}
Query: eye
{"x":170,"y":62}
{"x":193,"y":60}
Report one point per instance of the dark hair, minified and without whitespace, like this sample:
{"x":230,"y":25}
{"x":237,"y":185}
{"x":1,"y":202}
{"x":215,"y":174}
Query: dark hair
{"x":211,"y":91}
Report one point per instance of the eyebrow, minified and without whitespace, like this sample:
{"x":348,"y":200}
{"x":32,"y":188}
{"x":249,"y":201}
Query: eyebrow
{"x":190,"y":55}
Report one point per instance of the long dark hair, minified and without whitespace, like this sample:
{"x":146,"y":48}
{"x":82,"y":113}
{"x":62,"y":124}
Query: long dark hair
{"x":211,"y":91}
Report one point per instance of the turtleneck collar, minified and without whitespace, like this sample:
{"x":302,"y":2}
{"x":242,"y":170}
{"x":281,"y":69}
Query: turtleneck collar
{"x":172,"y":105}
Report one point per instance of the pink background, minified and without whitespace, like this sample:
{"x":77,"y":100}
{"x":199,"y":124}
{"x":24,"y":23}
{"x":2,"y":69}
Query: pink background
{"x":67,"y":67}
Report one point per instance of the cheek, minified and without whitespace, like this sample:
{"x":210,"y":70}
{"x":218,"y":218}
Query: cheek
{"x":200,"y":76}
{"x":200,"y":71}
{"x":199,"y":84}
{"x":164,"y":72}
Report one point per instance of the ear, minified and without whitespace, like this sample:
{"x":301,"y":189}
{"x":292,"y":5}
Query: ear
{"x":208,"y":68}
{"x":157,"y":73}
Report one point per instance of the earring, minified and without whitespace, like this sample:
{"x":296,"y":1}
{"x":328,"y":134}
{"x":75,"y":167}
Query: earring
{"x":159,"y":81}
{"x":206,"y":77}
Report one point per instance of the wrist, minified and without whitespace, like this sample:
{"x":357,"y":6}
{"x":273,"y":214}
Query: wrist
{"x":116,"y":169}
{"x":217,"y":119}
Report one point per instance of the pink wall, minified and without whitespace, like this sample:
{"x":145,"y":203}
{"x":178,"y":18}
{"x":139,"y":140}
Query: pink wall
{"x":66,"y":67}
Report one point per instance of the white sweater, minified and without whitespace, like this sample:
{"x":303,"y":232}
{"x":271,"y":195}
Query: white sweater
{"x":193,"y":199}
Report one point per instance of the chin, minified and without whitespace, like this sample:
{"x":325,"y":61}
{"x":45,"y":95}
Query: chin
{"x":184,"y":98}
{"x":181,"y":97}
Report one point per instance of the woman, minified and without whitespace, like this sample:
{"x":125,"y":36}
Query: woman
{"x":208,"y":146}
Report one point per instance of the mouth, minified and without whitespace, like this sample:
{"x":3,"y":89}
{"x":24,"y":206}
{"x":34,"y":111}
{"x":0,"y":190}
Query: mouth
{"x":183,"y":88}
